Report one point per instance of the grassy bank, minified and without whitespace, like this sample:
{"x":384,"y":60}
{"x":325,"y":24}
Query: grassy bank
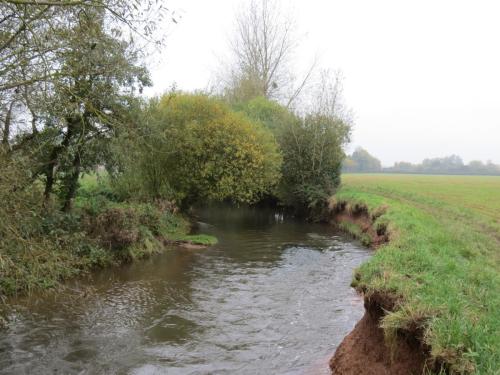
{"x":100,"y":231}
{"x":441,"y":265}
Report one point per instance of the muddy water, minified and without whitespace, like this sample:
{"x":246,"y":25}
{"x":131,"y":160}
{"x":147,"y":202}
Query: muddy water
{"x":272,"y":297}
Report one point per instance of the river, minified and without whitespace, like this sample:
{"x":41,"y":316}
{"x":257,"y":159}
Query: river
{"x":272,"y":297}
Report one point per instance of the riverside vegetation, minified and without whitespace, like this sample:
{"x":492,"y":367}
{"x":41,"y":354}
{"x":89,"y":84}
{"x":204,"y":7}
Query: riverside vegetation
{"x":183,"y":149}
{"x":441,"y":267}
{"x":72,"y":112}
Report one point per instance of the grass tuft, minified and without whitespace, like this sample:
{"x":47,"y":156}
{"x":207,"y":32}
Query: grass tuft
{"x":200,"y":239}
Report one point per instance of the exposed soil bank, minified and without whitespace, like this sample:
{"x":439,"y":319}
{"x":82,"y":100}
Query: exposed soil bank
{"x":365,"y":350}
{"x":357,"y":221}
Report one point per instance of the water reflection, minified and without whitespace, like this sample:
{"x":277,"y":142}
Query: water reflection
{"x":270,"y":298}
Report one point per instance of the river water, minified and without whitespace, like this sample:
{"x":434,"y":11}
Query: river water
{"x":272,"y":297}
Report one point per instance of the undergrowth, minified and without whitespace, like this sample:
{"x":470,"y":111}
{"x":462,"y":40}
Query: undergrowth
{"x":100,"y":231}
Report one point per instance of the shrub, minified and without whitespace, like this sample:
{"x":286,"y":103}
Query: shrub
{"x":194,"y":148}
{"x":311,"y":147}
{"x":312,"y":159}
{"x":116,"y":228}
{"x":270,"y":114}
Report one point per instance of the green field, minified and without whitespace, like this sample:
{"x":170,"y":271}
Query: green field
{"x":442,"y":263}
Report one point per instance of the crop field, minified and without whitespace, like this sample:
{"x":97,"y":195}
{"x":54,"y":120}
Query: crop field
{"x":441,"y":265}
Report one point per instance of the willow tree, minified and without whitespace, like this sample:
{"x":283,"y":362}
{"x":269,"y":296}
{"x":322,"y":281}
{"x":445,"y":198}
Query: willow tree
{"x":194,"y":148}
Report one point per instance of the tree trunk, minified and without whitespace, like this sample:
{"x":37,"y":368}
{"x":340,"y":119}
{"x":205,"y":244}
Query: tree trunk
{"x":6,"y":127}
{"x":72,"y":183}
{"x":49,"y":173}
{"x":34,"y":130}
{"x":52,"y":163}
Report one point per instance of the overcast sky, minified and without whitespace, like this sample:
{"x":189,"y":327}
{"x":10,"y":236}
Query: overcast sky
{"x":422,"y":77}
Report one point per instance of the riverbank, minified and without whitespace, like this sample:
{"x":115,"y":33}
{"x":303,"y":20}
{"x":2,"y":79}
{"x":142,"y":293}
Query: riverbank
{"x":432,"y":292}
{"x":100,"y":232}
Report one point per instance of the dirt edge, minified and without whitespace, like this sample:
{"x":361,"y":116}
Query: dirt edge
{"x":356,"y":220}
{"x":365,"y":350}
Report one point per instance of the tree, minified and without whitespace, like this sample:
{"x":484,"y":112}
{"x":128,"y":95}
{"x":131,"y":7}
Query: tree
{"x":311,"y":143}
{"x":262,"y":50}
{"x":448,"y":164}
{"x":326,"y":96}
{"x":98,"y":75}
{"x":71,"y":68}
{"x":312,"y":158}
{"x":452,"y":164}
{"x":30,"y":32}
{"x":34,"y":36}
{"x":313,"y":148}
{"x":362,"y":161}
{"x":193,"y":148}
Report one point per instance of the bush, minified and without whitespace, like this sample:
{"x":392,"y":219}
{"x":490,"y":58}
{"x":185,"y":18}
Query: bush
{"x":194,"y":148}
{"x":39,"y":246}
{"x":312,"y":160}
{"x":270,"y":114}
{"x":117,"y":228}
{"x":311,"y":147}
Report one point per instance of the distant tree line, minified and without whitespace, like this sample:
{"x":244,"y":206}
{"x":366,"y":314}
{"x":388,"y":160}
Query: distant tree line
{"x":360,"y":161}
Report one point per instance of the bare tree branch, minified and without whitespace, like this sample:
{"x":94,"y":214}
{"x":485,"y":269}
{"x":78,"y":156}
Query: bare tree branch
{"x":303,"y":84}
{"x":262,"y":49}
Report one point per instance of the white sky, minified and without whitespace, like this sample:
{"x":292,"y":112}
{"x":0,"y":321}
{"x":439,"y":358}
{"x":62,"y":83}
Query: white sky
{"x":422,"y":76}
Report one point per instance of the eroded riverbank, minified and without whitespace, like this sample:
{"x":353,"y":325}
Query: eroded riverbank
{"x":439,"y":269}
{"x":271,"y":297}
{"x":366,"y":350}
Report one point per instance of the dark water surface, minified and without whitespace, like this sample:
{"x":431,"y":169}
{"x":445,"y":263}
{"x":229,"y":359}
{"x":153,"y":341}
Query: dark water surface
{"x":271,"y":298}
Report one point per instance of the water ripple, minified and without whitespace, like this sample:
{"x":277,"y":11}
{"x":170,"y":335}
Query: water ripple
{"x":270,"y":298}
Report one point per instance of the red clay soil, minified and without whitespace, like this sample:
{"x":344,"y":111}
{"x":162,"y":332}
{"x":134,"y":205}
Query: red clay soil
{"x":364,"y":351}
{"x":359,"y":216}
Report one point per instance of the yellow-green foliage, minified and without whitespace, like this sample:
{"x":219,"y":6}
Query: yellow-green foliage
{"x":198,"y":149}
{"x":442,"y":262}
{"x":269,"y":113}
